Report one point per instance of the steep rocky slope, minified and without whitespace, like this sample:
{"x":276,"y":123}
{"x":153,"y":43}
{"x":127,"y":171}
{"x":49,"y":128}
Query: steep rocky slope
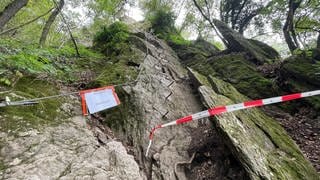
{"x":164,"y":92}
{"x":160,"y":90}
{"x":295,"y":74}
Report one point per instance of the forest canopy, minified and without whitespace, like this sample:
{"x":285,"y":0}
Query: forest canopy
{"x":289,"y":25}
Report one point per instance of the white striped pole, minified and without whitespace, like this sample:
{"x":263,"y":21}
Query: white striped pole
{"x":234,"y":107}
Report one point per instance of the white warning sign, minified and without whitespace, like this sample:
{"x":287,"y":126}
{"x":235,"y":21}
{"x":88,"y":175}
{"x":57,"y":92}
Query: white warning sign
{"x":99,"y":99}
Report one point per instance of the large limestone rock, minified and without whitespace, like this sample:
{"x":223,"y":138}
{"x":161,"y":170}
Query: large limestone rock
{"x":161,"y":94}
{"x":258,"y":141}
{"x":67,"y":151}
{"x":259,"y":51}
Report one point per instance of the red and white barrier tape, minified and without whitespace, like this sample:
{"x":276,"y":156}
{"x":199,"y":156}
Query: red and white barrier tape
{"x":234,"y":107}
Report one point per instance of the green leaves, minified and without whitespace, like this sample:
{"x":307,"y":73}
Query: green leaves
{"x":162,"y":21}
{"x":31,"y":63}
{"x":112,"y":39}
{"x":5,"y":81}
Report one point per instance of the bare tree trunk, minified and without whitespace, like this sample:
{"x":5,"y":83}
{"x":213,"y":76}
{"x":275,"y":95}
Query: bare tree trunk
{"x":245,"y":22}
{"x":207,"y":17}
{"x":10,"y":11}
{"x":288,"y":28}
{"x":49,"y":23}
{"x":71,"y":35}
{"x":26,"y":23}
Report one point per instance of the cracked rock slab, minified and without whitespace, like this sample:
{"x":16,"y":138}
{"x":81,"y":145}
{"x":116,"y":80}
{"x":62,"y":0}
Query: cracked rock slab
{"x":68,"y":151}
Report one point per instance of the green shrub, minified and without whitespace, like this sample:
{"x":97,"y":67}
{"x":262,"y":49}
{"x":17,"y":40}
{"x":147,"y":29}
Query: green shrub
{"x":30,"y":63}
{"x":162,"y":22}
{"x":177,"y":39}
{"x":112,"y":39}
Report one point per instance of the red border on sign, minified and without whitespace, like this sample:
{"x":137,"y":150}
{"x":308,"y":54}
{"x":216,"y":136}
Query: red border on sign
{"x":83,"y":100}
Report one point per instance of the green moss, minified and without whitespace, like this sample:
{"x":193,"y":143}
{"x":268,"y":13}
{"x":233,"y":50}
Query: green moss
{"x":284,"y":158}
{"x":21,"y":118}
{"x":303,"y":69}
{"x":266,"y":50}
{"x":292,"y":163}
{"x":118,"y":70}
{"x":189,"y":54}
{"x":113,"y":39}
{"x":177,"y":39}
{"x":226,"y":89}
{"x":235,"y":69}
{"x":2,"y":166}
{"x":301,"y":74}
{"x":202,"y":80}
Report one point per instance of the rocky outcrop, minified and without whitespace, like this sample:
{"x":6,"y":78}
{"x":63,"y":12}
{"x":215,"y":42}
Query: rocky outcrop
{"x":67,"y":151}
{"x":301,"y":73}
{"x":258,"y":141}
{"x":233,"y":68}
{"x":205,"y":46}
{"x":162,"y":94}
{"x":258,"y":51}
{"x":268,"y":51}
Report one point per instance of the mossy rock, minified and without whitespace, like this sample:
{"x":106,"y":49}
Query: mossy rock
{"x":205,"y":46}
{"x":124,"y":119}
{"x":234,"y":69}
{"x":257,"y":140}
{"x":299,"y":74}
{"x":189,"y":54}
{"x":15,"y":119}
{"x":237,"y":43}
{"x":316,"y":54}
{"x":138,"y":42}
{"x":303,"y":69}
{"x":268,"y":51}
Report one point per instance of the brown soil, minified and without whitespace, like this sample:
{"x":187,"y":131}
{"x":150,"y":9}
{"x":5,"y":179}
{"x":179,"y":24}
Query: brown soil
{"x":304,"y":129}
{"x":212,"y":160}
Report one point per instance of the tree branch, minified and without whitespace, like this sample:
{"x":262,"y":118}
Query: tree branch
{"x":26,"y":23}
{"x":69,"y":31}
{"x":210,"y":22}
{"x":308,"y":28}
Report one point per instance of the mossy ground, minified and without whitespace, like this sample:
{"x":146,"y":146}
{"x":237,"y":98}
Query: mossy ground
{"x":121,"y":68}
{"x":25,"y":83}
{"x":15,"y":119}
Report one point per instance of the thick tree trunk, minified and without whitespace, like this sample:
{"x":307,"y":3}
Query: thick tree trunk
{"x":49,"y":23}
{"x":10,"y":11}
{"x":288,"y":28}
